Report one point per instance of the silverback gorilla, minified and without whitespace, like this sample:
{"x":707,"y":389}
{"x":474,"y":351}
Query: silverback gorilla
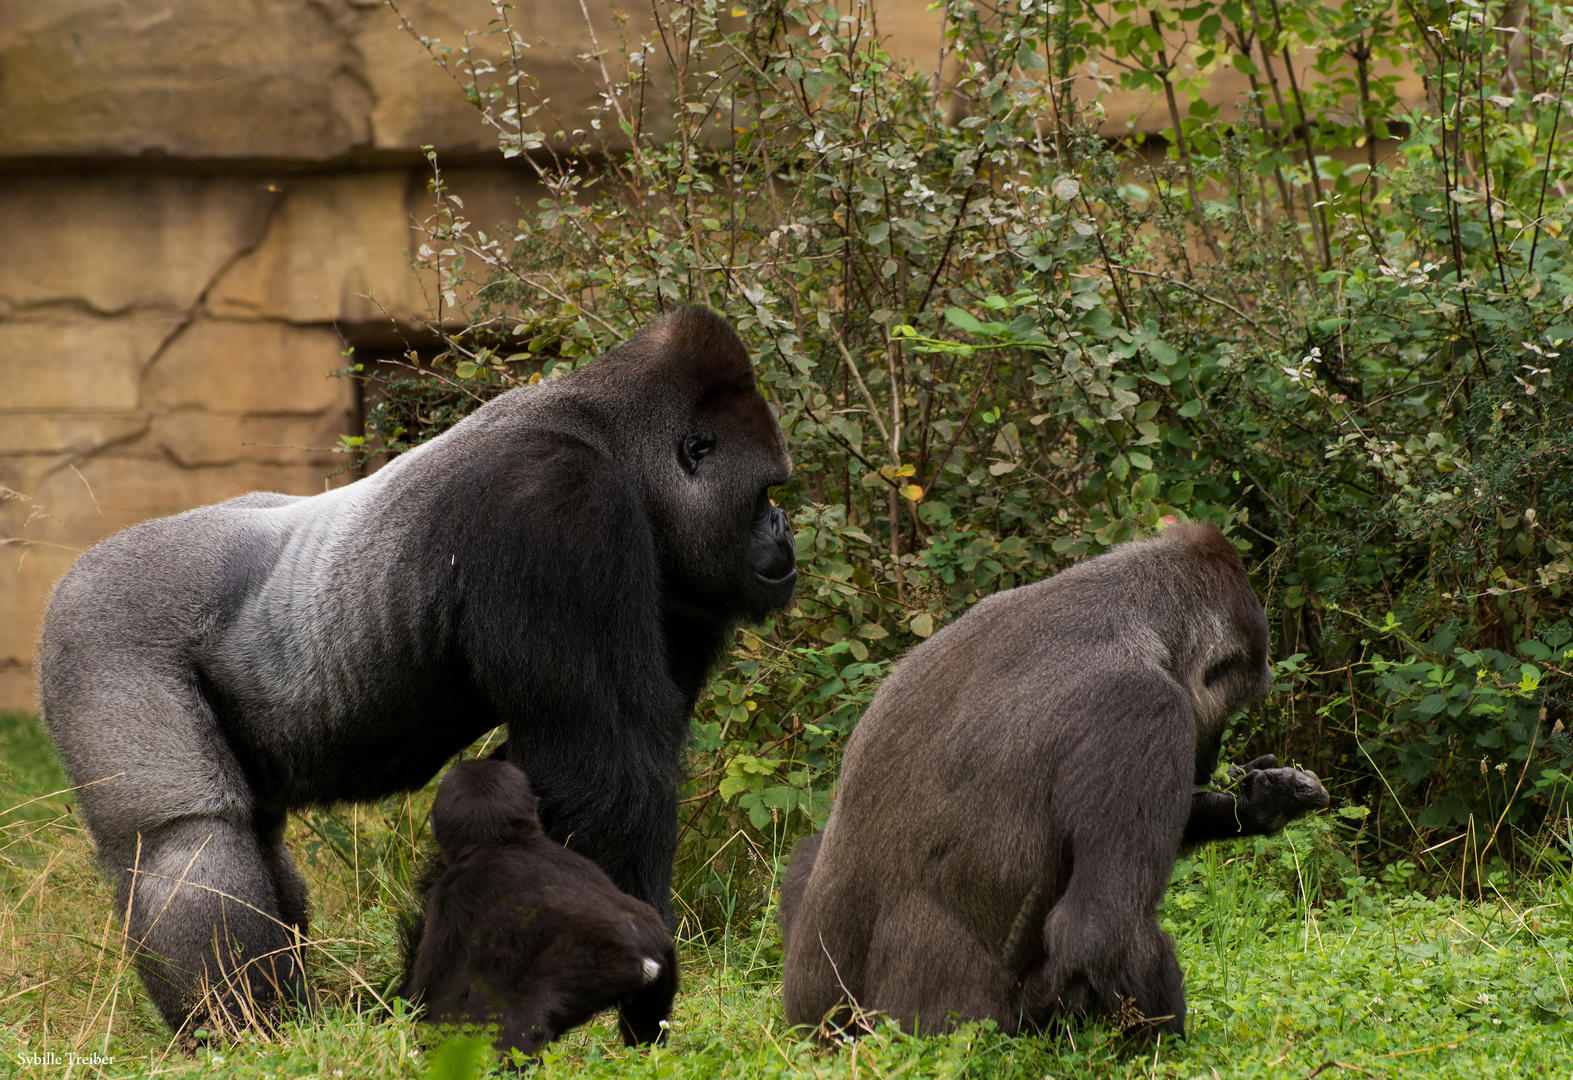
{"x":525,"y":934}
{"x":568,"y":560}
{"x":1012,"y":803}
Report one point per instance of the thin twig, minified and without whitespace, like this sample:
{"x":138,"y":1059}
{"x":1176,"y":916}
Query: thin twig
{"x":1210,"y":299}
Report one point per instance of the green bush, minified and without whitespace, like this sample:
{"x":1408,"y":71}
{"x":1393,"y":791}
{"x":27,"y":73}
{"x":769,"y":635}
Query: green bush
{"x":999,"y":341}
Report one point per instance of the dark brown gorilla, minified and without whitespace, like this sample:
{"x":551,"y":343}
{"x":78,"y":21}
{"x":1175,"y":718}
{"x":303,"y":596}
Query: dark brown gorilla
{"x":523,"y":933}
{"x":1012,"y":804}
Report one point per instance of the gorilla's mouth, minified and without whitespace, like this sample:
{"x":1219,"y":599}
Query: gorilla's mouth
{"x":773,"y":553}
{"x":788,"y":578}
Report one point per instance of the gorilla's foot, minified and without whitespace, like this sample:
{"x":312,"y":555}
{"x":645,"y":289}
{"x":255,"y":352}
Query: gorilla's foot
{"x":204,"y":926}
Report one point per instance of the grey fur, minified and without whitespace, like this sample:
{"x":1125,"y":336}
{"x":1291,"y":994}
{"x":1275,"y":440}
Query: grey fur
{"x":1013,"y":801}
{"x":548,"y":563}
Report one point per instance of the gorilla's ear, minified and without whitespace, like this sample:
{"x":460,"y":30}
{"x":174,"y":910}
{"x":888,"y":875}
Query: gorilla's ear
{"x":693,"y":345}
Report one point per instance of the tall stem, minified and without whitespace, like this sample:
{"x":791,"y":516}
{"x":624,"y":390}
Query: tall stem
{"x":1362,"y":58}
{"x":1551,"y":145}
{"x":1179,"y":142}
{"x":1319,"y":212}
{"x":1485,"y":160}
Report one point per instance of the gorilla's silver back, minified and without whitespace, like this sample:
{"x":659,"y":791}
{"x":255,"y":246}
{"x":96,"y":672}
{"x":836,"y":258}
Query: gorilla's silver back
{"x":293,"y":608}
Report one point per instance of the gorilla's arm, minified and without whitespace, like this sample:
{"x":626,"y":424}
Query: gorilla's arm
{"x":639,"y":1018}
{"x":563,"y":633}
{"x":1268,"y":799}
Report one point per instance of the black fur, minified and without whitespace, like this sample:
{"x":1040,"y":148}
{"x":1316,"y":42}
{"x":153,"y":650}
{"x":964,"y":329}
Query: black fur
{"x":561,"y":562}
{"x":522,"y":933}
{"x":1012,"y":803}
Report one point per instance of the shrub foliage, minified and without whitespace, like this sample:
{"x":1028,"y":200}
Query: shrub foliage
{"x":1001,"y":337}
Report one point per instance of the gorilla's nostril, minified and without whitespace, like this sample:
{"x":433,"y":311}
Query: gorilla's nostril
{"x":779,"y":523}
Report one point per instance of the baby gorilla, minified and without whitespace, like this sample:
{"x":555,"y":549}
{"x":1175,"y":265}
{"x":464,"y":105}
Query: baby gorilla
{"x":525,"y":934}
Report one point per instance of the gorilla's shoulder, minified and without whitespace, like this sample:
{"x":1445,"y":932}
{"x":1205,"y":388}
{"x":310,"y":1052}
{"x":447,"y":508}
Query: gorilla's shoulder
{"x":259,"y":500}
{"x":535,"y":462}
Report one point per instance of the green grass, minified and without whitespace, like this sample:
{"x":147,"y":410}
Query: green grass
{"x":1288,"y":972}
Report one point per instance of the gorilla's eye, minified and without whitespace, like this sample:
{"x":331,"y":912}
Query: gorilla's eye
{"x":1220,"y":669}
{"x":695,"y":448}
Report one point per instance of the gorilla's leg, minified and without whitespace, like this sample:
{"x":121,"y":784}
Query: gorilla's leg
{"x":177,"y":830}
{"x":1099,"y":964}
{"x":796,"y":880}
{"x":207,"y":923}
{"x":639,"y":1017}
{"x":825,"y":943}
{"x":929,"y":971}
{"x":620,"y":815}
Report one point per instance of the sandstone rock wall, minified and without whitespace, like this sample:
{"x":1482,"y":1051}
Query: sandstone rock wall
{"x":203,"y":203}
{"x":202,"y":206}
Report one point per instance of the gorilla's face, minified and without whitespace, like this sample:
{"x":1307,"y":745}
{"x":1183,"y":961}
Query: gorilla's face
{"x":733,"y":545}
{"x":681,"y":400}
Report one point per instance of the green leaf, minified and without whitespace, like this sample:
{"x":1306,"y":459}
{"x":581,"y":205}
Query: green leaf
{"x":1191,"y":408}
{"x":732,"y":785}
{"x":922,"y":624}
{"x":1535,"y":650}
{"x":963,"y":320}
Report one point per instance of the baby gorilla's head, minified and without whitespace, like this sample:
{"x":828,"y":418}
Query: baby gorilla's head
{"x":482,"y":802}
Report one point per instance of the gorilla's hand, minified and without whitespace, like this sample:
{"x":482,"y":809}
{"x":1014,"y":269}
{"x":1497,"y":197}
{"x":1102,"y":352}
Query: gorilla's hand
{"x":1271,"y":797}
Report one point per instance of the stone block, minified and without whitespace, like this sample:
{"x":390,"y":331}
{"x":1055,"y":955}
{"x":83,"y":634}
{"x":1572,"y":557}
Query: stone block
{"x":196,"y":437}
{"x":249,"y":367}
{"x":66,"y":433}
{"x":64,"y":361}
{"x":494,"y":199}
{"x":27,"y":574}
{"x":418,"y":104}
{"x":334,"y":241}
{"x":129,"y":489}
{"x":53,"y":514}
{"x":112,"y":243}
{"x":250,"y":79}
